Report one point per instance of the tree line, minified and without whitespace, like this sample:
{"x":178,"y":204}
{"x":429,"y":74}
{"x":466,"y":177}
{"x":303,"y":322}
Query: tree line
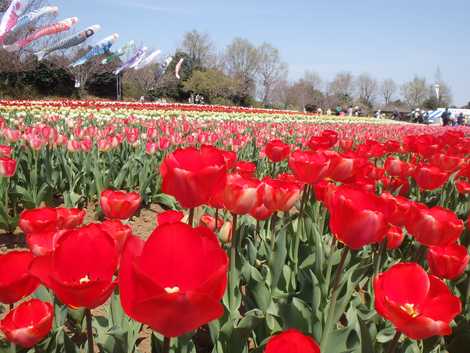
{"x":241,"y":74}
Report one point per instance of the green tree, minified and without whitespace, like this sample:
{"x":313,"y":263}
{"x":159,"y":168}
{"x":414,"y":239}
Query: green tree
{"x":168,"y":86}
{"x":211,"y":84}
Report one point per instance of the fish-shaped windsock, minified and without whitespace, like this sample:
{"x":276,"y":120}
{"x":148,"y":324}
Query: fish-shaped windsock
{"x":69,"y":42}
{"x":32,"y":17}
{"x":102,"y":47}
{"x":50,"y":30}
{"x":148,"y":60}
{"x":178,"y":68}
{"x":11,"y":16}
{"x":124,"y":50}
{"x":167,"y":62}
{"x":135,"y":60}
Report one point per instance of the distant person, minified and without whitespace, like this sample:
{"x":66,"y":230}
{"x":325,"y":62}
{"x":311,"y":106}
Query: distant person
{"x":446,"y":117}
{"x":378,"y":114}
{"x":339,"y":110}
{"x":350,"y":111}
{"x":320,"y":111}
{"x":417,"y":116}
{"x":357,"y":111}
{"x":328,"y":112}
{"x":426,"y":117}
{"x":461,"y":119}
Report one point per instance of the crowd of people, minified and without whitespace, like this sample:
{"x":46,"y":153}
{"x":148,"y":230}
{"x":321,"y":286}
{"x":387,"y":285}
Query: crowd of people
{"x":447,"y":118}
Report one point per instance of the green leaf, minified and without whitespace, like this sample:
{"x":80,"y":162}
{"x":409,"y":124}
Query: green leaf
{"x":278,"y":258}
{"x":385,"y":335}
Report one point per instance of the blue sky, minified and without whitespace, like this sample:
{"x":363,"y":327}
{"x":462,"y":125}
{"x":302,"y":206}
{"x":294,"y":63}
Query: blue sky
{"x":389,"y":39}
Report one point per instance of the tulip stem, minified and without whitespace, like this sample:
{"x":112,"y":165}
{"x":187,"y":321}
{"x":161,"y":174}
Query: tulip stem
{"x":12,"y":306}
{"x":380,"y":254}
{"x":166,"y":345}
{"x":394,"y":344}
{"x":89,"y":330}
{"x":234,"y":231}
{"x":467,"y":296}
{"x":216,"y":218}
{"x":191,"y":216}
{"x":334,"y":297}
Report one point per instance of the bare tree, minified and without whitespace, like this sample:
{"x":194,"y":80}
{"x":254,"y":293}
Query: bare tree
{"x":199,"y":48}
{"x":271,"y":70}
{"x":302,"y":94}
{"x":280,"y":94}
{"x":388,"y":88}
{"x":242,"y":63}
{"x":367,"y":88}
{"x":415,"y":92}
{"x":342,"y":84}
{"x":144,"y":79}
{"x":313,"y":79}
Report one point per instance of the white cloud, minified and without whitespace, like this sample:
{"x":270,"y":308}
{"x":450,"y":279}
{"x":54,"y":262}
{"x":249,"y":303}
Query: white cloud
{"x":150,"y":7}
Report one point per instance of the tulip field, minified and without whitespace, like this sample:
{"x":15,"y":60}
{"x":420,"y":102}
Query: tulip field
{"x":142,"y":227}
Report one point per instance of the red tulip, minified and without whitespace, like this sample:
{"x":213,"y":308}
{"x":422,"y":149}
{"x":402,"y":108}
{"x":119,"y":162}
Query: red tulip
{"x":280,"y":195}
{"x":80,"y":270}
{"x":397,"y":168}
{"x":421,"y":310}
{"x":346,"y":145}
{"x":289,"y":177}
{"x":309,"y":167}
{"x":210,"y":222}
{"x":15,"y":280}
{"x":29,"y":323}
{"x":331,"y":135}
{"x":5,"y":151}
{"x":175,"y":280}
{"x":397,"y":185}
{"x":169,"y":217}
{"x":462,"y":187}
{"x":341,"y":167}
{"x":394,"y":237}
{"x":242,"y":194}
{"x":399,"y":209}
{"x":324,"y":190}
{"x":230,"y":159}
{"x":69,"y":218}
{"x":464,"y":172}
{"x":277,"y":151}
{"x":192,"y":176}
{"x":43,"y":243}
{"x":357,"y":217}
{"x":449,"y":261}
{"x":118,"y":231}
{"x":430,"y":177}
{"x":38,"y":220}
{"x":327,"y":140}
{"x":446,"y":162}
{"x":291,"y":341}
{"x":7,"y":167}
{"x":435,"y":226}
{"x":392,"y":146}
{"x":226,"y":232}
{"x":119,"y":204}
{"x":261,"y":212}
{"x":245,"y":169}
